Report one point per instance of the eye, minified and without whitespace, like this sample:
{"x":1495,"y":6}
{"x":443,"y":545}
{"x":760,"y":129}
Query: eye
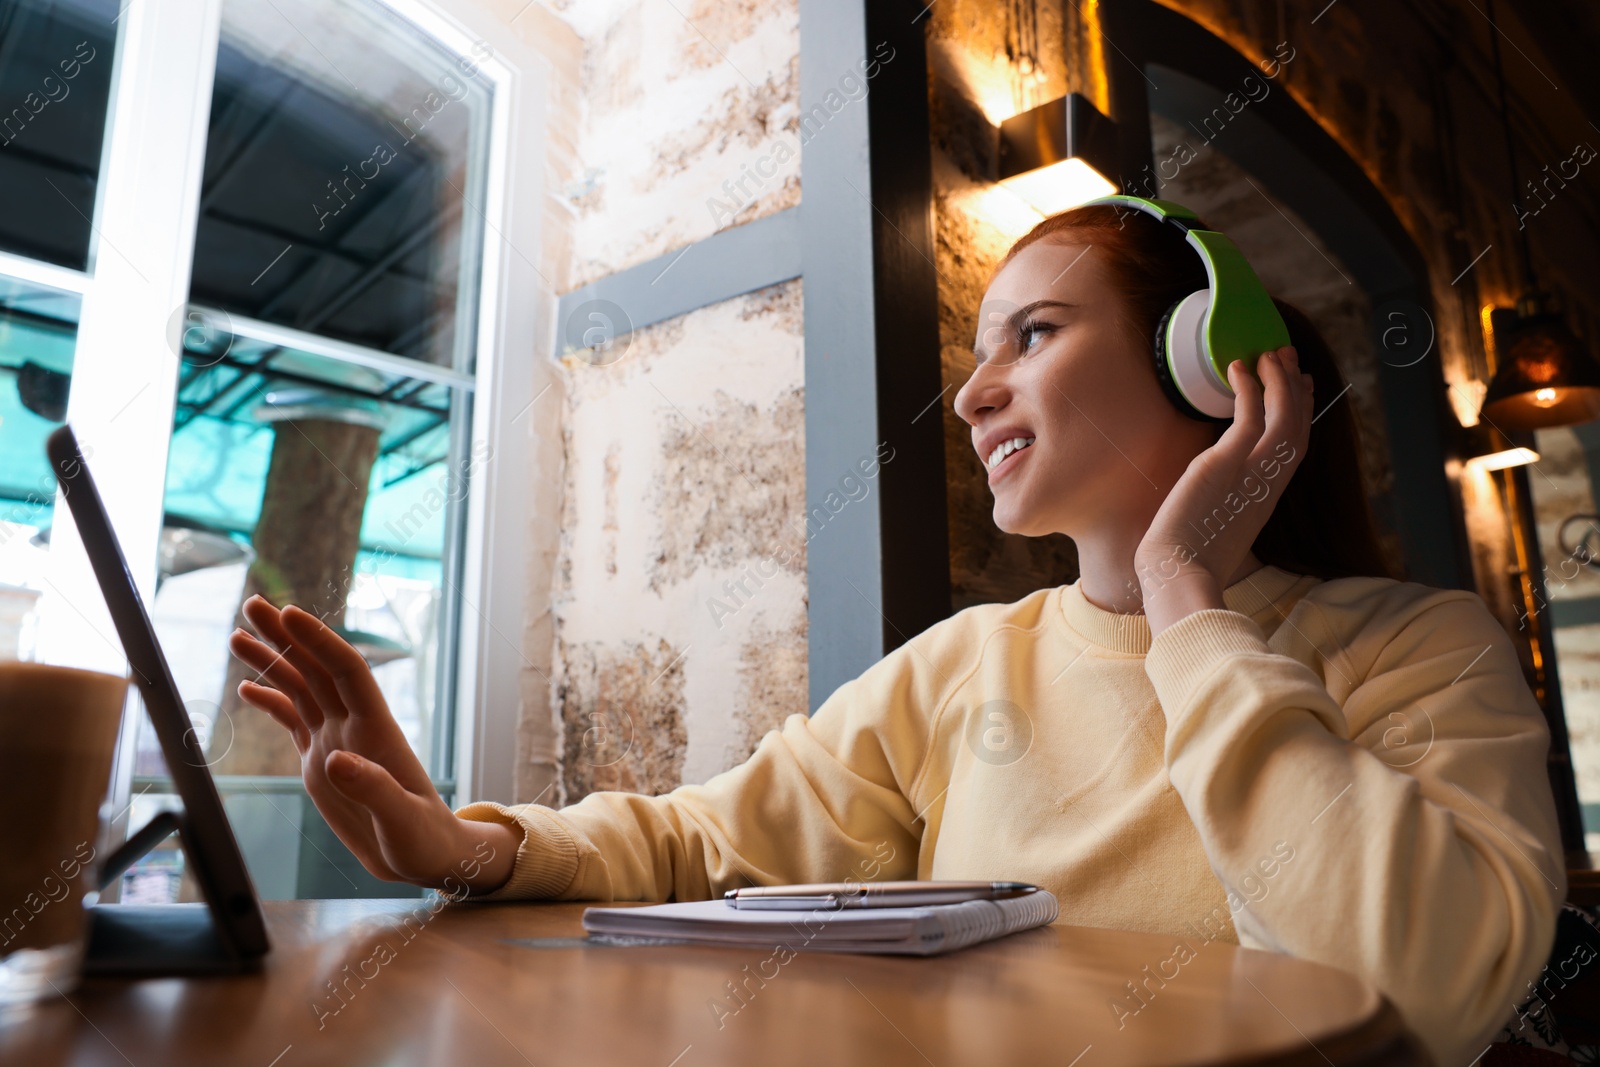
{"x":1030,"y":328}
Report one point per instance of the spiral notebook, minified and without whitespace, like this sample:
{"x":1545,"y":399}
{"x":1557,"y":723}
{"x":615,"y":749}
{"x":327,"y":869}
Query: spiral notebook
{"x":920,"y":931}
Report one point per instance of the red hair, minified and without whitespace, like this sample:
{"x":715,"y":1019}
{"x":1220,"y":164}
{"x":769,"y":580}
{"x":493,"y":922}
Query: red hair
{"x":1323,"y":522}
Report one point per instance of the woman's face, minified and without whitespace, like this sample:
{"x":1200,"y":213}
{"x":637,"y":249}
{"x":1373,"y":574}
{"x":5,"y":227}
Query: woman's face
{"x":1056,"y":367}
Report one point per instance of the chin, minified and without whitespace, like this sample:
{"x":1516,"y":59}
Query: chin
{"x":1016,"y":514}
{"x":1014,"y":521}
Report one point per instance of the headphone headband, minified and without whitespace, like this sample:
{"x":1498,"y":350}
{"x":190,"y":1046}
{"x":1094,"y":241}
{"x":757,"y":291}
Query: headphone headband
{"x":1165,"y":210}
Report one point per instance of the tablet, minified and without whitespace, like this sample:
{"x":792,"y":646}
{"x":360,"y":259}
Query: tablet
{"x":228,"y":932}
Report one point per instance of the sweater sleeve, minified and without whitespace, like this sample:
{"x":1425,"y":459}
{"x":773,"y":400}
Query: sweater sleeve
{"x":1426,"y":850}
{"x":820,"y":800}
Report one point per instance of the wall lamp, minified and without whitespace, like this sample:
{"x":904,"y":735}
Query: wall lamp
{"x":1486,"y":448}
{"x":1058,"y":154}
{"x":1510,"y":457}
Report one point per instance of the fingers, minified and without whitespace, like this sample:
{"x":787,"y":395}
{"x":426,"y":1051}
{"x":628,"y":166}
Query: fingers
{"x":345,"y":668}
{"x":264,"y":617}
{"x":1273,"y":398}
{"x":1286,"y":364}
{"x":270,"y":622}
{"x":1288,"y":403}
{"x":1271,"y":410}
{"x":278,"y":671}
{"x":380,"y":737}
{"x":1247,"y":403}
{"x":1290,"y":392}
{"x":1239,"y":439}
{"x":1276,"y":388}
{"x":280,"y":707}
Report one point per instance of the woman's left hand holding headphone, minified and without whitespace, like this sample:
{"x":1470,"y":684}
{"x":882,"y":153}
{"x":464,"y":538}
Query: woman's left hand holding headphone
{"x":1187,"y":557}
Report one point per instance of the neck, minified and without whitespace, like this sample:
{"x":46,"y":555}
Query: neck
{"x":1110,"y":582}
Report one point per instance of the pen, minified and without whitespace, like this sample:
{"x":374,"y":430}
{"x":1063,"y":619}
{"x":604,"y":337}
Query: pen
{"x":836,"y":895}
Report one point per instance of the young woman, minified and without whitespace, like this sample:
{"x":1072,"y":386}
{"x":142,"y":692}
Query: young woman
{"x":1235,"y":725}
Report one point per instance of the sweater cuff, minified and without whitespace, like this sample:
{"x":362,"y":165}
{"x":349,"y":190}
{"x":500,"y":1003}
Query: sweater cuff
{"x":1185,"y":653}
{"x":547,"y":858}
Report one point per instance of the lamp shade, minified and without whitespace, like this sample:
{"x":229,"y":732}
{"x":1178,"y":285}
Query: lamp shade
{"x":1544,"y":377}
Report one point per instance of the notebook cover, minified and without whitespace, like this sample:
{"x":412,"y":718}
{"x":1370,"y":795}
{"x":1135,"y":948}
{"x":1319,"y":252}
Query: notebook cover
{"x":922,"y":931}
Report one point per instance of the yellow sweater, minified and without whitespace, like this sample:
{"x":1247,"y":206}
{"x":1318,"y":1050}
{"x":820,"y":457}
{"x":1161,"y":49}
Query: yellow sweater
{"x":1348,"y":771}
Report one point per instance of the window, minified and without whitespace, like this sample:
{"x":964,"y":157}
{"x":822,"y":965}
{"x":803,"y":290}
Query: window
{"x":307,"y":417}
{"x":38,"y":329}
{"x":1562,"y":487}
{"x":55,"y":78}
{"x":55,"y":81}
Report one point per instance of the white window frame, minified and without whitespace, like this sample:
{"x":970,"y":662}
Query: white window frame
{"x":126,"y":370}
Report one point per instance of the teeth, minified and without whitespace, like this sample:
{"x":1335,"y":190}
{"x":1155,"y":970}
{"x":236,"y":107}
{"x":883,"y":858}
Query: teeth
{"x":1005,"y":448}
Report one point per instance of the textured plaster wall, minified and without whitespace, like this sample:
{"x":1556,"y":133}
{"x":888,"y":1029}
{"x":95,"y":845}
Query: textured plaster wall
{"x":655,"y":111}
{"x":676,"y":461}
{"x":680,"y":593}
{"x":678,"y":599}
{"x":685,"y":107}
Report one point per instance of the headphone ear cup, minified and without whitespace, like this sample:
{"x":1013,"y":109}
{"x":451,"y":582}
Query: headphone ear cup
{"x":1189,"y":362}
{"x":1164,"y":369}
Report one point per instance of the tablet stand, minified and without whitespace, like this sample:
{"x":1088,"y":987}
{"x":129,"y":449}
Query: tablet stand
{"x":157,"y":939}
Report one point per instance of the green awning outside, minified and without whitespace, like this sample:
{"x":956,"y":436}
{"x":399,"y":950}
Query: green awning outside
{"x":218,"y":461}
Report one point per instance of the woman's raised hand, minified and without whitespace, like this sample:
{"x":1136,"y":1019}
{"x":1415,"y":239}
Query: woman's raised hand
{"x":357,"y":766}
{"x":1241,"y":478}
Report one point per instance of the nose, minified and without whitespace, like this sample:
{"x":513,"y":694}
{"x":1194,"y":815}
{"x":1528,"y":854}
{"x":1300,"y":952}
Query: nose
{"x":985,"y":393}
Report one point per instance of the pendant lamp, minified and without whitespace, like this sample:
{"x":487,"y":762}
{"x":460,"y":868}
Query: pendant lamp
{"x":1543,"y":376}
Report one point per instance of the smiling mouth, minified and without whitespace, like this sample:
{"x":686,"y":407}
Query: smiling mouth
{"x":1006,"y":448}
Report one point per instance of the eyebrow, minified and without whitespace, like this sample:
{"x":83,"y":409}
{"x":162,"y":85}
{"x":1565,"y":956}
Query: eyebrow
{"x":1017,"y":317}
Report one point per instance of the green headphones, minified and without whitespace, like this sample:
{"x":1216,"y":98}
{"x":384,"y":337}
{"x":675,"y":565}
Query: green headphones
{"x":1201,"y":334}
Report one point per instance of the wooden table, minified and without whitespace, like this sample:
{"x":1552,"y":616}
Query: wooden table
{"x":402,"y":982}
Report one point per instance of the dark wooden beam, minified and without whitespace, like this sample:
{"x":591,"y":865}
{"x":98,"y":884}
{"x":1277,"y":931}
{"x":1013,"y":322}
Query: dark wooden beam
{"x":878,"y":570}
